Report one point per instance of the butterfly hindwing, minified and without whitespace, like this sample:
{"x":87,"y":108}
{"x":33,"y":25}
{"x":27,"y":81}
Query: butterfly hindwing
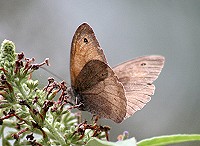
{"x":100,"y":91}
{"x":137,"y":76}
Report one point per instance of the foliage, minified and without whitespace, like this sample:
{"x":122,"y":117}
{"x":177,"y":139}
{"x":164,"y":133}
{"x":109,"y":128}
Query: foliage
{"x":169,"y":139}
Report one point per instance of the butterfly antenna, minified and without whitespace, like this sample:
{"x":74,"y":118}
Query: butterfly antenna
{"x":60,"y":78}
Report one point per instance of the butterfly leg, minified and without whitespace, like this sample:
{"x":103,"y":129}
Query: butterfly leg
{"x":95,"y":118}
{"x":75,"y":106}
{"x":106,"y":130}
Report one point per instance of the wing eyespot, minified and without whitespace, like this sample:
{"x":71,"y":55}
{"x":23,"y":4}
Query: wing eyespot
{"x":104,"y":74}
{"x":85,"y":40}
{"x":143,"y":64}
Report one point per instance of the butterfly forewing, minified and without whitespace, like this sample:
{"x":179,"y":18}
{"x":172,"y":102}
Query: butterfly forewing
{"x":137,"y":76}
{"x":84,"y":48}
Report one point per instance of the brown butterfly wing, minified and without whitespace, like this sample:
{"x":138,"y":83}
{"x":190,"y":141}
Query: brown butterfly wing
{"x":100,"y":91}
{"x":137,"y":76}
{"x":93,"y":81}
{"x":84,"y":48}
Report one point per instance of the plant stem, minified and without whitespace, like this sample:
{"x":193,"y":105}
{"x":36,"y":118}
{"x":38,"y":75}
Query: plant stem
{"x":19,"y":87}
{"x":55,"y":133}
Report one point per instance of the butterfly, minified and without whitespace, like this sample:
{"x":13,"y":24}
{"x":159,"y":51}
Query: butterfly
{"x":111,"y":93}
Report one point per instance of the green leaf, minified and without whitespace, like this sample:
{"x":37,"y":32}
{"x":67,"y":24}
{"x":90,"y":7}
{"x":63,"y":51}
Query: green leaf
{"x":169,"y":139}
{"x":98,"y":142}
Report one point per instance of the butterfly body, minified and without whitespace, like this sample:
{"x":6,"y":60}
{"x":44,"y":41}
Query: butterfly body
{"x":104,"y":91}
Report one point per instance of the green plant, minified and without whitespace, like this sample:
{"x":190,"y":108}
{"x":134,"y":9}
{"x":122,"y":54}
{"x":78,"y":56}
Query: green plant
{"x":35,"y":116}
{"x":28,"y":110}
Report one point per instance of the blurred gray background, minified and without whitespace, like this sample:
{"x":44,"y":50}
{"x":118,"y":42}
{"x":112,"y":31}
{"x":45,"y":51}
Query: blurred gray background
{"x":125,"y":30}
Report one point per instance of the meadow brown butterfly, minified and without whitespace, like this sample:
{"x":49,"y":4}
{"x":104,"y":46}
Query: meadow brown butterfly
{"x":116,"y":93}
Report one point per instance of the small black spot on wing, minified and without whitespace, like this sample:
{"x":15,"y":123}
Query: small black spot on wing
{"x":104,"y":74}
{"x":85,"y":40}
{"x":143,"y":64}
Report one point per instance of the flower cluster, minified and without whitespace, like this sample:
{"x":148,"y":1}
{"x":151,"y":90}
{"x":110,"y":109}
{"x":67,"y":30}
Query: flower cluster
{"x":37,"y":116}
